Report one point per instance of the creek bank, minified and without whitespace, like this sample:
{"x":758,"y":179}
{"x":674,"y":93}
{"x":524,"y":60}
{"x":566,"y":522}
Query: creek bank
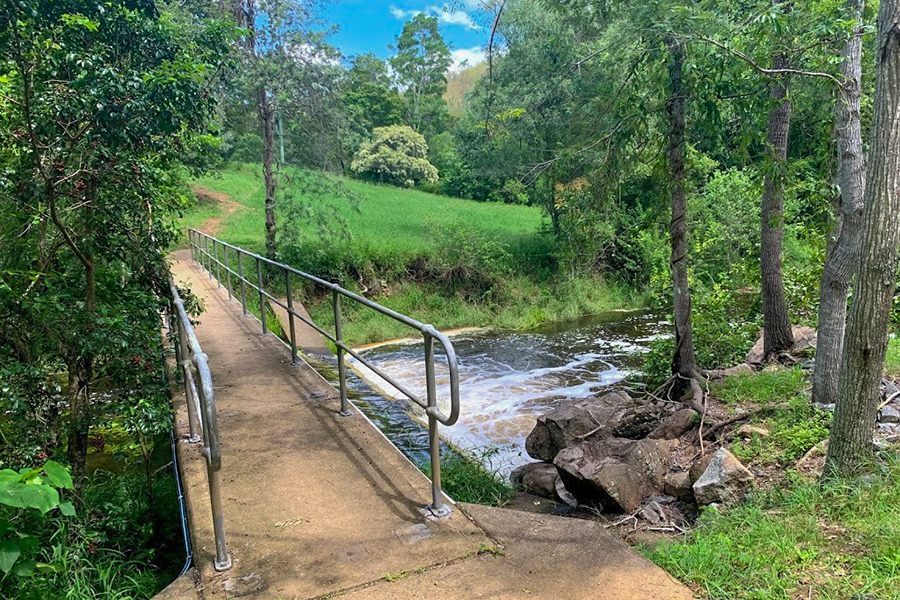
{"x":639,"y":466}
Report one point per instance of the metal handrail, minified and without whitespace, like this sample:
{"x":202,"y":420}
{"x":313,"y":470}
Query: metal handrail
{"x":202,"y":419}
{"x":209,"y":259}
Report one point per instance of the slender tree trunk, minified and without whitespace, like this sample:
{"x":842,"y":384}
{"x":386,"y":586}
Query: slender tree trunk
{"x":841,"y":262}
{"x":865,"y":343}
{"x":776,"y":322}
{"x":684,"y":362}
{"x":267,"y":120}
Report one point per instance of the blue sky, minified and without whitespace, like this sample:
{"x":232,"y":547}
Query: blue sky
{"x":368,"y":26}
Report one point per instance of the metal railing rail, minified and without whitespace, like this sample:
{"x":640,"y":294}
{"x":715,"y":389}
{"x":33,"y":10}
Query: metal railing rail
{"x":201,"y":408}
{"x":209,"y":258}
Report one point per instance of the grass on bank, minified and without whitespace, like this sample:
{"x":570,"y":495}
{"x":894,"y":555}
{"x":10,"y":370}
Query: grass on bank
{"x":833,"y":541}
{"x":416,"y":253}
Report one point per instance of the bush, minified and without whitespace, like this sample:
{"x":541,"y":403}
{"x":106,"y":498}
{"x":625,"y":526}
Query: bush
{"x":396,"y":154}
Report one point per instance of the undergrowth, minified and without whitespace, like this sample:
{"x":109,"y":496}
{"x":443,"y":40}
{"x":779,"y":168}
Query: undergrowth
{"x":832,"y":541}
{"x":465,"y":479}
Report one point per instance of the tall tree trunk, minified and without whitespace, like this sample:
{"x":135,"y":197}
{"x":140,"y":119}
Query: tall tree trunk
{"x":267,"y":120}
{"x":865,"y":343}
{"x":684,"y":362}
{"x":840,"y":264}
{"x":776,"y":322}
{"x":82,"y":365}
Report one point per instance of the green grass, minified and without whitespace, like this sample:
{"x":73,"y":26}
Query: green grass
{"x":385,"y":220}
{"x":892,"y":361}
{"x":805,"y":540}
{"x":794,"y":425}
{"x":402,"y":246}
{"x":465,"y":479}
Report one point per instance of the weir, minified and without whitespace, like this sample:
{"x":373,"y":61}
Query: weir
{"x":317,"y":505}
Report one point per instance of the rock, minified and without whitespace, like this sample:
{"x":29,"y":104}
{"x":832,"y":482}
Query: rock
{"x":565,"y":495}
{"x":619,"y":470}
{"x":537,"y":478}
{"x":804,"y":342}
{"x":748,"y":431}
{"x":654,"y":513}
{"x":889,"y":414}
{"x":698,"y":467}
{"x":679,"y":485}
{"x":612,"y":415}
{"x":810,"y":460}
{"x":723,"y":480}
{"x":675,"y":425}
{"x":824,"y":407}
{"x":890,"y":388}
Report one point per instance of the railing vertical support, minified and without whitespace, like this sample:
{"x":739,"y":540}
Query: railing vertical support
{"x":339,"y":343}
{"x":191,"y":245}
{"x":183,"y":356}
{"x":295,"y":360}
{"x":240,"y":256}
{"x":218,"y":264}
{"x":208,"y":259}
{"x":437,"y":506}
{"x":262,"y":297}
{"x":227,"y":272}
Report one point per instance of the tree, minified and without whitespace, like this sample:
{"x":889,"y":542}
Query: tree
{"x":840,"y":263}
{"x":281,"y":42}
{"x":776,"y":321}
{"x":684,"y":362}
{"x":99,"y":102}
{"x":421,"y":62}
{"x":396,"y":154}
{"x":865,"y":343}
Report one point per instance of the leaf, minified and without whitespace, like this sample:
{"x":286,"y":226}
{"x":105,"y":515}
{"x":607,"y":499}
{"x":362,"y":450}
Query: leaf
{"x":58,"y":474}
{"x":67,"y":509}
{"x":9,"y":554}
{"x":25,"y":568}
{"x":22,"y":495}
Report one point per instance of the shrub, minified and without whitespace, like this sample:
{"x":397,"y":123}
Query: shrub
{"x":396,"y":154}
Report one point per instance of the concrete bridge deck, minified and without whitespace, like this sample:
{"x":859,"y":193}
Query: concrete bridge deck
{"x":317,"y":505}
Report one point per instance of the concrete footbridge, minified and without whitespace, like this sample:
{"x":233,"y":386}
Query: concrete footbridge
{"x":292,"y":493}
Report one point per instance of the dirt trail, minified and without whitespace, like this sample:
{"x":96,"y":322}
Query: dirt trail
{"x":229,"y":206}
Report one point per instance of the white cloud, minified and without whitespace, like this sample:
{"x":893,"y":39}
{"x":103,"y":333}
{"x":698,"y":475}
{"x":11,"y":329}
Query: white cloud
{"x":467,"y":57}
{"x":455,"y":17}
{"x":402,"y":15}
{"x":445,"y":15}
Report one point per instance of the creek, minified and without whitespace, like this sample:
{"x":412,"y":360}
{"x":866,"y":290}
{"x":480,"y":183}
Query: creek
{"x":507,"y":379}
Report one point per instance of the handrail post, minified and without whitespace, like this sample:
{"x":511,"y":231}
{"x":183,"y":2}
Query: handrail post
{"x":184,"y":361}
{"x":208,"y":257}
{"x":190,"y":236}
{"x":241,"y":277}
{"x":437,"y":506}
{"x":262,"y":297}
{"x":339,"y":343}
{"x":227,"y":271}
{"x":218,"y":263}
{"x":222,"y":560}
{"x":290,"y":310}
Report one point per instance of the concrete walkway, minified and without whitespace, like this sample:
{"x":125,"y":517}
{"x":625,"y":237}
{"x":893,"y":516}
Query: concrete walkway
{"x":318,"y":505}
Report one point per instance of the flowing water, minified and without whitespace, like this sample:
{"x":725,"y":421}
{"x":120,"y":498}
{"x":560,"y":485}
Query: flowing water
{"x":507,"y":379}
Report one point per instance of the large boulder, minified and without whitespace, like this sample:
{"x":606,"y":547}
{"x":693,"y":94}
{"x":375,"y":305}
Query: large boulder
{"x":804,"y":343}
{"x":724,"y":479}
{"x":612,"y":415}
{"x":616,"y":470}
{"x":539,"y":479}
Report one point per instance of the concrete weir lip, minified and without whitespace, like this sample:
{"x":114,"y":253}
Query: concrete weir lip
{"x":316,"y":505}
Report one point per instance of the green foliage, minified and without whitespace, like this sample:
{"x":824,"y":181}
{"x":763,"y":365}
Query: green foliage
{"x":892,"y":360}
{"x":26,"y":491}
{"x":396,"y":154}
{"x":420,"y":63}
{"x":831,"y":540}
{"x":724,"y":329}
{"x":465,"y":479}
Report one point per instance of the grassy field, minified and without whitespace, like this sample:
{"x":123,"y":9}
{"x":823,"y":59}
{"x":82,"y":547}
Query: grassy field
{"x":445,"y":261}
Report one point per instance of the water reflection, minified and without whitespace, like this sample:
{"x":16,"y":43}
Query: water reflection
{"x":508,"y":378}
